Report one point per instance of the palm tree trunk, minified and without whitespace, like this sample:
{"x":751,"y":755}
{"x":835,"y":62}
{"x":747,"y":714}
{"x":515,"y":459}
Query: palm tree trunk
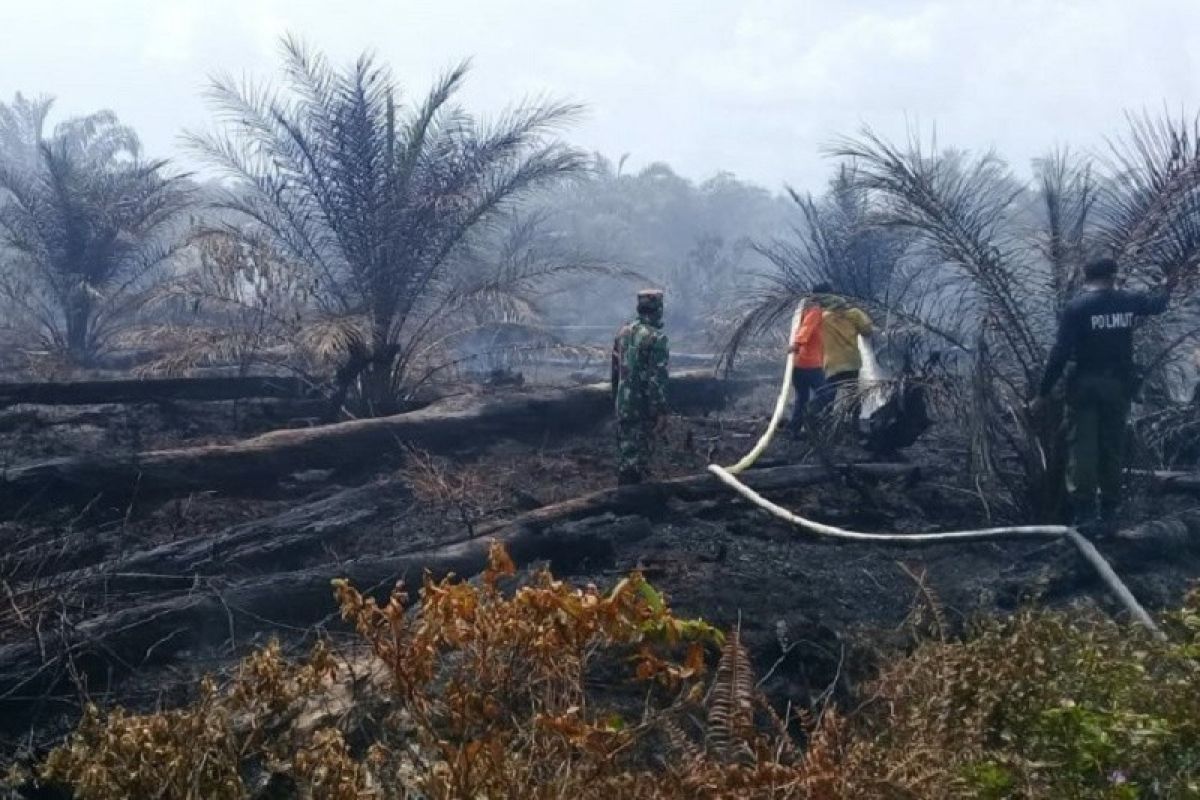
{"x":79,"y":345}
{"x":377,"y":384}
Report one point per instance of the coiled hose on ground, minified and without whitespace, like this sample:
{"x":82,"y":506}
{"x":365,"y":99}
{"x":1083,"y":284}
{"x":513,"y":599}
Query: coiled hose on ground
{"x":728,"y":476}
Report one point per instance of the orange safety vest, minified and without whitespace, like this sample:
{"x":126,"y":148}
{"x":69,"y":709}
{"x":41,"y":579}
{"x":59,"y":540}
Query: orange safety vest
{"x":808,"y":350}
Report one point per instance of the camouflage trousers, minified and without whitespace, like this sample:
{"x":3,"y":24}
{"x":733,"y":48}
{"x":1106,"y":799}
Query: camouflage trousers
{"x":635,"y":447}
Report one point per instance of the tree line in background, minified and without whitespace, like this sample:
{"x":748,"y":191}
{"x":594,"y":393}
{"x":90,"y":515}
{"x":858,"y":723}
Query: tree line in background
{"x":377,"y":240}
{"x":365,"y":237}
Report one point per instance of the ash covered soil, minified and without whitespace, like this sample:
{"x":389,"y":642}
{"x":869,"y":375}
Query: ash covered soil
{"x":712,"y":554}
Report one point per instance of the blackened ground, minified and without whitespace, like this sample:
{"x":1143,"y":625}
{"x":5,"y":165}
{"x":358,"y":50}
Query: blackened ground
{"x":816,"y":614}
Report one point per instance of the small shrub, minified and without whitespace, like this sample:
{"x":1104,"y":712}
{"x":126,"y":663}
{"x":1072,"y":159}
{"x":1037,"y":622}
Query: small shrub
{"x":202,"y":750}
{"x":1045,"y":704}
{"x":488,"y":689}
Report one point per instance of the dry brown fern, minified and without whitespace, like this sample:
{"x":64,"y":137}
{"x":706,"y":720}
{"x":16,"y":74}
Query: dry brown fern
{"x":927,"y":617}
{"x":679,"y":743}
{"x":731,"y":703}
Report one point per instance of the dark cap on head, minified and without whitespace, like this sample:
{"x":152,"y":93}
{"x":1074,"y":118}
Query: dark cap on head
{"x":822,"y":288}
{"x":1101,"y":269}
{"x":650,"y":300}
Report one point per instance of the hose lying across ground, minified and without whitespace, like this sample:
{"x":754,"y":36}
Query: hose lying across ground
{"x":728,"y":476}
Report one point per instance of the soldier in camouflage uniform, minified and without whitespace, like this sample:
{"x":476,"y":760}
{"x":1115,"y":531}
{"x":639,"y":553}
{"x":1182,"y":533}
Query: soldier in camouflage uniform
{"x":639,"y":382}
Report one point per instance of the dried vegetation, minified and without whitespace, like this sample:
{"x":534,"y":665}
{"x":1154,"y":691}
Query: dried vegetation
{"x":486,"y":689}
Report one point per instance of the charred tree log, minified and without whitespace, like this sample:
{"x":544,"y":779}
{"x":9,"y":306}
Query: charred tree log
{"x":280,"y":412}
{"x":276,"y":543}
{"x":51,"y":556}
{"x":213,"y":614}
{"x":270,"y":543}
{"x":1171,"y":480}
{"x":1154,"y":540}
{"x":86,"y":393}
{"x":265,"y":544}
{"x":585,"y":529}
{"x":649,"y":498}
{"x":449,"y":425}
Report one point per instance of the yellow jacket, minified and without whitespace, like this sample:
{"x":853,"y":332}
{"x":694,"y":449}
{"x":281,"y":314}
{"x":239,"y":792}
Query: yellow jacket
{"x":841,"y":326}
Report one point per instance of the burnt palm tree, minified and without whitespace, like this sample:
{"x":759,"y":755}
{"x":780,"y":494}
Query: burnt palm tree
{"x":370,"y":196}
{"x":997,"y":257}
{"x":85,"y":225}
{"x":834,"y":241}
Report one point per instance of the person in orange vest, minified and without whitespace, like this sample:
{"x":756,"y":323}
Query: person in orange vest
{"x":808,"y":361}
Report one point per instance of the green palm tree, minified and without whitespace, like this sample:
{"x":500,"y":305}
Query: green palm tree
{"x":371,"y":197}
{"x":85,"y":225}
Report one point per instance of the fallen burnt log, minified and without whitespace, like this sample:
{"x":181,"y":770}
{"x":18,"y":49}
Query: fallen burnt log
{"x":1159,"y":538}
{"x":151,"y":390}
{"x":274,"y":543}
{"x":116,"y":643}
{"x":455,"y":423}
{"x":1171,"y":480}
{"x":649,"y":498}
{"x":212,"y":612}
{"x":271,"y":542}
{"x":183,"y":416}
{"x":584,"y":534}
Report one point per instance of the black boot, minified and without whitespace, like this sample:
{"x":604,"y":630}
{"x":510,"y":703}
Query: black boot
{"x":629,"y":477}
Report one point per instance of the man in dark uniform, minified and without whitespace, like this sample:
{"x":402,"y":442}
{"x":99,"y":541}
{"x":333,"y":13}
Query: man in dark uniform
{"x":1096,"y":332}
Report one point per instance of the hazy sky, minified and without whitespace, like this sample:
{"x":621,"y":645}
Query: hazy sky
{"x":755,"y":87}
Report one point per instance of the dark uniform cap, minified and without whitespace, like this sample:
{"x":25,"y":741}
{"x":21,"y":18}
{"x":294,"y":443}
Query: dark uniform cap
{"x":1100,"y":269}
{"x":650,"y":300}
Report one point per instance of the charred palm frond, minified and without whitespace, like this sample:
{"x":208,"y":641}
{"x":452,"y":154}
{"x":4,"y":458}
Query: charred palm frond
{"x":1149,"y":209}
{"x":835,"y":242}
{"x":505,"y":276}
{"x":89,"y":224}
{"x":959,"y":211}
{"x":239,"y":305}
{"x":1169,"y":438}
{"x":1068,"y":191}
{"x":1149,"y":216}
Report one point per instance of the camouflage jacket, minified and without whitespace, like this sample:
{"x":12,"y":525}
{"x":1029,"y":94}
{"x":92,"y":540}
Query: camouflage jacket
{"x":639,"y":370}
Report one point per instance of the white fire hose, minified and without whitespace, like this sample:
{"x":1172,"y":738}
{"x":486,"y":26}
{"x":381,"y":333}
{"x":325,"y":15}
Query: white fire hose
{"x":728,"y":476}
